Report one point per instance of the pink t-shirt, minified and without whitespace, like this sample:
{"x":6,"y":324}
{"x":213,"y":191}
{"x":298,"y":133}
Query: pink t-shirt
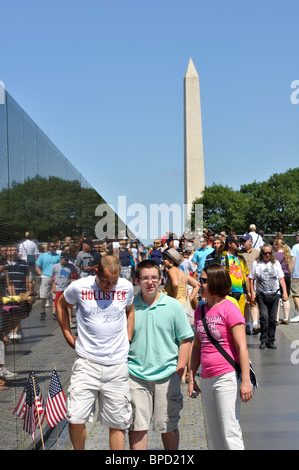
{"x":220,"y":319}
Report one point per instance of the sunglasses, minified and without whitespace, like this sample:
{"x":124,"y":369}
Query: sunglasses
{"x":203,"y":280}
{"x":266,"y":252}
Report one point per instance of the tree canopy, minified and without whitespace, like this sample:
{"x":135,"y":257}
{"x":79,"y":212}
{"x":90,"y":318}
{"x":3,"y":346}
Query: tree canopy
{"x":47,"y":207}
{"x":271,"y":205}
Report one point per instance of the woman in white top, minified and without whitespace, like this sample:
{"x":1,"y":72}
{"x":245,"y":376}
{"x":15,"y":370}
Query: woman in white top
{"x":269,"y":277}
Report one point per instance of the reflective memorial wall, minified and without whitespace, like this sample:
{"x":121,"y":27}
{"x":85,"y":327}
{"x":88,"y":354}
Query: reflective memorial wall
{"x":45,"y":199}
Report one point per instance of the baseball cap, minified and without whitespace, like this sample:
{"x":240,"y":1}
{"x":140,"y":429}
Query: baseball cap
{"x":246,"y":236}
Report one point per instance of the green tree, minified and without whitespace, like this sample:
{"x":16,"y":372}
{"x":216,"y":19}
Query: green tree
{"x":223,"y":208}
{"x":271,"y":205}
{"x":275,"y":202}
{"x":47,"y":207}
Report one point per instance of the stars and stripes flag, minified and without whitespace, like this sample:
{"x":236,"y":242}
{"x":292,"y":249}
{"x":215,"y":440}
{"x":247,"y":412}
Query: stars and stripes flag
{"x":19,"y":410}
{"x":31,"y":406}
{"x":56,"y":402}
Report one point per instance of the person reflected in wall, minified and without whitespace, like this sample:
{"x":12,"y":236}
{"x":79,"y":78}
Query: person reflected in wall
{"x":87,"y":259}
{"x":44,"y":264}
{"x":125,"y":256}
{"x":17,"y":281}
{"x":28,"y":251}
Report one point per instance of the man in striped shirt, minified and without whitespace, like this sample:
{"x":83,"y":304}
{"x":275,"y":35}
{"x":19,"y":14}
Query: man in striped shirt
{"x":17,"y":272}
{"x":17,"y":281}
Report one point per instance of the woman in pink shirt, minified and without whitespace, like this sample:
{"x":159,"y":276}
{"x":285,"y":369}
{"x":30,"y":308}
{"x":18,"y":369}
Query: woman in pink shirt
{"x":221,"y":390}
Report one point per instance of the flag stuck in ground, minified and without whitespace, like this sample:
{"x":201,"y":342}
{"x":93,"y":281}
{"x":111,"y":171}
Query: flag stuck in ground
{"x":56,"y":402}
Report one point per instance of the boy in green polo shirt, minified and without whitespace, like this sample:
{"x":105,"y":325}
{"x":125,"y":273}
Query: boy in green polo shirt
{"x":158,"y":355}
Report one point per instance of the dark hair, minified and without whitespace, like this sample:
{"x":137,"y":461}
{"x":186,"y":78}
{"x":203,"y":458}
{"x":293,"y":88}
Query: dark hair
{"x":219,"y":282}
{"x":218,"y":238}
{"x":146,"y":264}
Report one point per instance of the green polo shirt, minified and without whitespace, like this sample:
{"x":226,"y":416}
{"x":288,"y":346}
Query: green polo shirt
{"x":157,"y":332}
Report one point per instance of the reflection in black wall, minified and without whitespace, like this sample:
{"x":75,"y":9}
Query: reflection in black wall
{"x":47,"y":207}
{"x":41,"y":193}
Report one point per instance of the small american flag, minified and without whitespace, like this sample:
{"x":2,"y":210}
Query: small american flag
{"x":56,"y":402}
{"x":19,"y":410}
{"x":31,"y":406}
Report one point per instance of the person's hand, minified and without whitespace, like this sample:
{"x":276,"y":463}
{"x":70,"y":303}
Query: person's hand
{"x":192,"y":385}
{"x":246,"y":392}
{"x":71,"y":339}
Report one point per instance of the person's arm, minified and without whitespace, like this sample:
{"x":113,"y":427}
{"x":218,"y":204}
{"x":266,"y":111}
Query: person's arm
{"x":194,"y":365}
{"x":292,"y":264}
{"x":38,"y":270}
{"x":252,"y":291}
{"x":130,"y":312}
{"x":63,"y":320}
{"x":239,"y":336}
{"x":184,"y":351}
{"x":174,"y":278}
{"x":193,"y":283}
{"x":284,"y":289}
{"x":133,"y":257}
{"x":249,"y":294}
{"x":10,"y":285}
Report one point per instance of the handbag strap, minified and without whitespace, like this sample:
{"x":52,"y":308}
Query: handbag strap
{"x":216,"y":344}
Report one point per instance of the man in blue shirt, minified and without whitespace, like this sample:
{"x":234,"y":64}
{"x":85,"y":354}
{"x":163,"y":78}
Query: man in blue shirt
{"x":44,"y":264}
{"x":199,"y":257}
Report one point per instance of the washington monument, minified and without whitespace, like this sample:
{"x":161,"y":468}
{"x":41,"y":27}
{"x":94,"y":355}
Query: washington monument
{"x":194,"y":163}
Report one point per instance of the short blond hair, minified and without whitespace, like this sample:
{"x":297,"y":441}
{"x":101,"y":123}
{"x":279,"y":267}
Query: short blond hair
{"x":111,"y":263}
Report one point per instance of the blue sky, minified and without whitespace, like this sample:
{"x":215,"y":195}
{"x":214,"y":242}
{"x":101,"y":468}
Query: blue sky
{"x":104,"y":79}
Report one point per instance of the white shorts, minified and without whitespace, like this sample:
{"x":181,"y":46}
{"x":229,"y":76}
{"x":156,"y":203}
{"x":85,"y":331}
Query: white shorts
{"x":110,"y":384}
{"x":45,"y":288}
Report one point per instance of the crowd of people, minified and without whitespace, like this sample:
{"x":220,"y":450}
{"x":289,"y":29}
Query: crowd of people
{"x":134,"y":354}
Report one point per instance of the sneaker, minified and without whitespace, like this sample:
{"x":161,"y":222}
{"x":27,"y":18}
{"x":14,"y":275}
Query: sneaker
{"x":42,"y":315}
{"x":271,"y":346}
{"x":54,"y":316}
{"x":73,"y":325}
{"x":15,"y":336}
{"x":295,"y":319}
{"x":263,"y":346}
{"x":256,"y":330}
{"x":248,"y":330}
{"x":5,"y":374}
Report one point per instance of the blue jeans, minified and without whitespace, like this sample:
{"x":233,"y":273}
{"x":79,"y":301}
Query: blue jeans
{"x":268,"y":315}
